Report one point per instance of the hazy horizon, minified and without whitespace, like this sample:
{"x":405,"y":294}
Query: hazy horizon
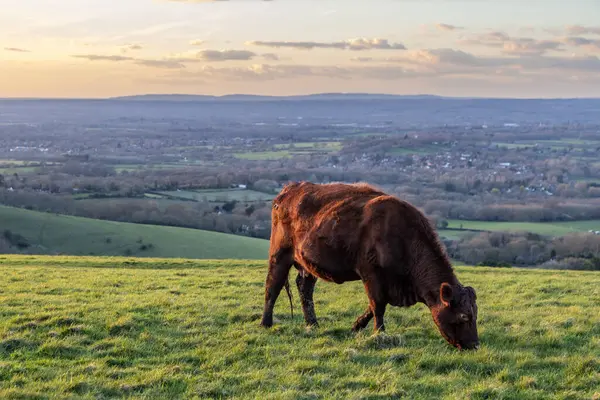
{"x":103,"y":48}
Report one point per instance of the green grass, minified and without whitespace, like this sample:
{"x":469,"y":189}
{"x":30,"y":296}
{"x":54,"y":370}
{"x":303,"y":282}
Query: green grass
{"x":52,"y":234}
{"x":451,"y":234}
{"x":220,"y":195}
{"x":542,"y":228}
{"x":587,"y":180}
{"x":149,"y":328}
{"x":312,"y":146}
{"x":5,"y":161}
{"x":136,"y":167}
{"x":561,"y":144}
{"x":18,"y":170}
{"x":263,"y":155}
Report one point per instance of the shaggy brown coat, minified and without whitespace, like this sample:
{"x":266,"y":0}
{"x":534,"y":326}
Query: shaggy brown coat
{"x":340,"y":233}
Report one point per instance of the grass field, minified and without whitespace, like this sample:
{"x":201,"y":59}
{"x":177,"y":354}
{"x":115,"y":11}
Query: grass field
{"x":17,"y":170}
{"x":312,"y":146}
{"x":542,"y":228}
{"x":149,"y":328}
{"x":52,"y":234}
{"x":220,"y":195}
{"x":576,"y":144}
{"x":263,"y":155}
{"x":285,"y":150}
{"x":452,"y":234}
{"x":136,"y":167}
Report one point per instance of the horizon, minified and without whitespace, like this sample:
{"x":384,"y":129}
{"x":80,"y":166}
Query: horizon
{"x":105,"y":49}
{"x":133,"y":96}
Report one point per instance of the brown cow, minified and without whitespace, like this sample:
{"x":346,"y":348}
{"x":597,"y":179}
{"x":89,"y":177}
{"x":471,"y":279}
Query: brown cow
{"x":340,"y":233}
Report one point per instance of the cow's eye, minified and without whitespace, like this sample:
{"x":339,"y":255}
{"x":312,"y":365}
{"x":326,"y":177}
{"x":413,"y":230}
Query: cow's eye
{"x":463,"y":317}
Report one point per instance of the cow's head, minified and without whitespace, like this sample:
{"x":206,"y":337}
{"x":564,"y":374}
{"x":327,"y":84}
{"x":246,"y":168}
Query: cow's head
{"x":456,"y":316}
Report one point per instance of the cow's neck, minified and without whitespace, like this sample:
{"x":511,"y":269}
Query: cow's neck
{"x":430,"y":269}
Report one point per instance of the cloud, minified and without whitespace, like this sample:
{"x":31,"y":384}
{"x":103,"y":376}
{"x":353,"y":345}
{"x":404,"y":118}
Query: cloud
{"x":514,"y":45}
{"x":131,"y":47}
{"x":168,"y":64}
{"x":451,"y":61}
{"x":524,"y":46}
{"x":267,"y":72}
{"x":369,"y":44}
{"x":351,"y":44}
{"x":447,"y":27}
{"x":197,"y":42}
{"x":440,"y":65}
{"x":205,"y":1}
{"x":577,"y":41}
{"x":582,"y":30}
{"x":16,"y":50}
{"x":225,"y":55}
{"x":97,"y":57}
{"x":164,"y":63}
{"x":270,"y":56}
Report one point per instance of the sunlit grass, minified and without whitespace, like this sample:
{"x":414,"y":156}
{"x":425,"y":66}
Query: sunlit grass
{"x":542,"y":228}
{"x":155,"y":328}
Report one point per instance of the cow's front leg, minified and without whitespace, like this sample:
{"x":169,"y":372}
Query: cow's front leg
{"x":280,"y":263}
{"x":306,"y":285}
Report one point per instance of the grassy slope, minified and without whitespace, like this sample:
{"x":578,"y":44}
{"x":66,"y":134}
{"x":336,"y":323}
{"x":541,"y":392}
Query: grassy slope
{"x":83,"y":236}
{"x":214,"y":195}
{"x":149,"y":328}
{"x":544,"y":228}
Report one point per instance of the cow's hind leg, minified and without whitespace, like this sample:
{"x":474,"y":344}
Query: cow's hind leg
{"x":362,"y":321}
{"x":377,"y":300}
{"x":280,"y":263}
{"x":306,"y":285}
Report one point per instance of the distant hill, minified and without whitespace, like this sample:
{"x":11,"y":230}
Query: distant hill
{"x":246,"y":97}
{"x":59,"y":234}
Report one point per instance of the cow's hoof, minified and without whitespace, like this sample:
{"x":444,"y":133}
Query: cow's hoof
{"x":266,"y":324}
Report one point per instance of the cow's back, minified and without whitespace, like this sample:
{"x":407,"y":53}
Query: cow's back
{"x":305,"y":201}
{"x":305,"y":210}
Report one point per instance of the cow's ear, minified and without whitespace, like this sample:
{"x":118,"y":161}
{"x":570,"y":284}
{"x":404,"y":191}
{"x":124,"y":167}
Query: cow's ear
{"x":446,"y":293}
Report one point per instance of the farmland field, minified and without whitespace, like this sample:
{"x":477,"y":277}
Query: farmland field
{"x":263,"y":155}
{"x":576,"y":144}
{"x":75,"y":327}
{"x":136,"y":167}
{"x":543,"y":228}
{"x":19,"y":169}
{"x":220,"y":195}
{"x":52,"y":234}
{"x":314,"y":146}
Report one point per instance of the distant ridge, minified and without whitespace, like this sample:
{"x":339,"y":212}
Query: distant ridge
{"x":250,"y":97}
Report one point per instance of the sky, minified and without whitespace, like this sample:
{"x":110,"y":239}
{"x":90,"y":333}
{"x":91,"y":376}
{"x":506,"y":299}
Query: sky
{"x":484,"y":48}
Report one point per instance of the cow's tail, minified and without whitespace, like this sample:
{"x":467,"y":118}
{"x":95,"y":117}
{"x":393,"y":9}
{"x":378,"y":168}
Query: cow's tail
{"x":289,"y":293}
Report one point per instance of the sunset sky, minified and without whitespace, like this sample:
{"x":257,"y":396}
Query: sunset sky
{"x":101,"y":48}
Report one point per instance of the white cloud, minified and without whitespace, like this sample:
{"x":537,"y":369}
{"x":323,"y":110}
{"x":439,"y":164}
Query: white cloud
{"x":16,"y":50}
{"x":355,"y":44}
{"x":582,"y":30}
{"x":448,"y":27}
{"x":514,"y":45}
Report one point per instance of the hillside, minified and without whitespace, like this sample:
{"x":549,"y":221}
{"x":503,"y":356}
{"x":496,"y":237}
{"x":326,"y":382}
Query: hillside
{"x":149,"y":328}
{"x":542,"y":228}
{"x":59,"y":234}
